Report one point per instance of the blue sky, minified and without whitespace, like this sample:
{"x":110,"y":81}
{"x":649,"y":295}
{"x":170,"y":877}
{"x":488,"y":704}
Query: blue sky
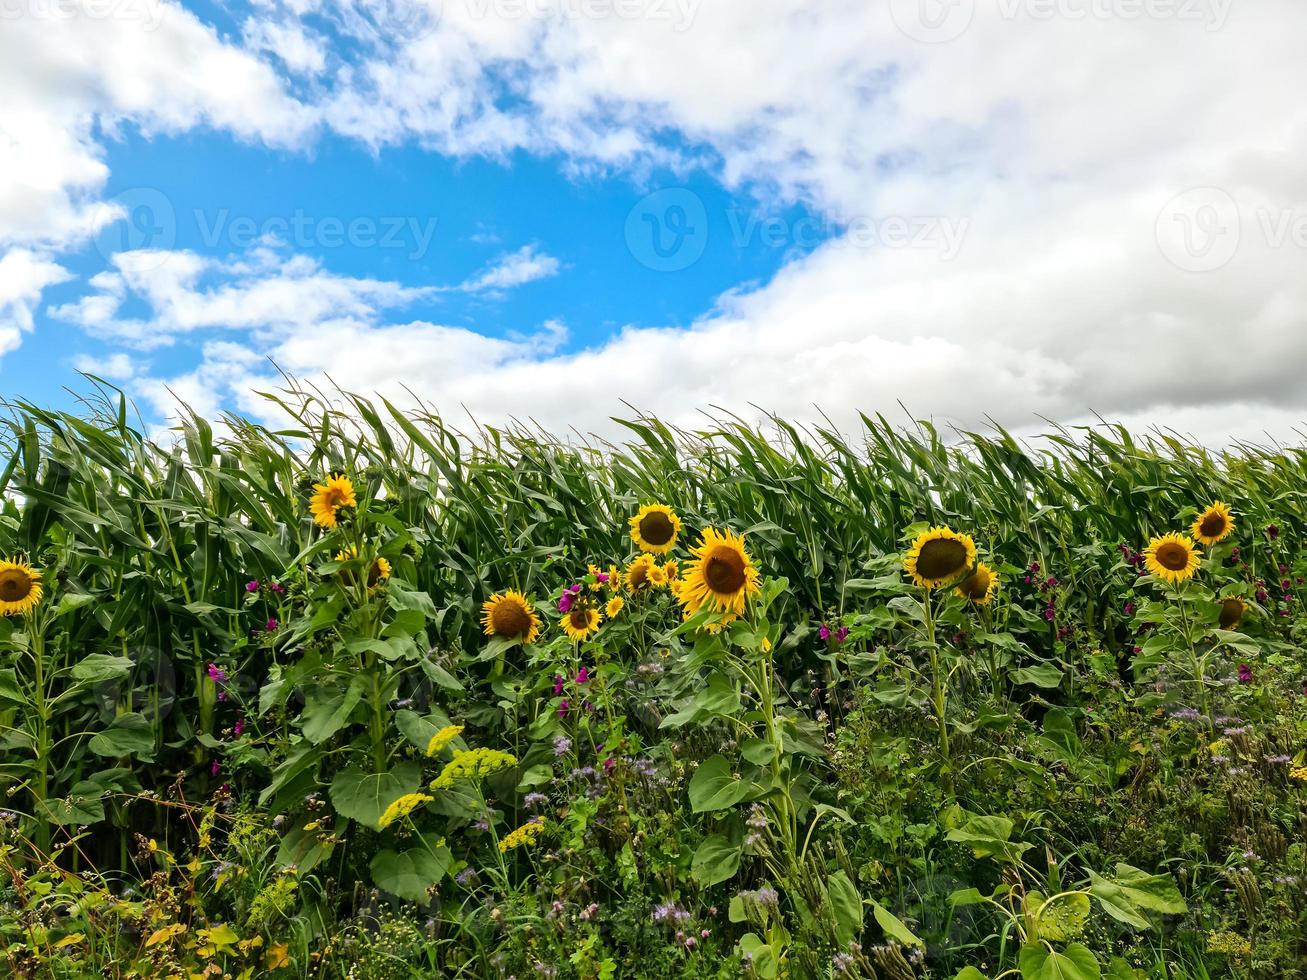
{"x":420,"y":219}
{"x":978,"y":209}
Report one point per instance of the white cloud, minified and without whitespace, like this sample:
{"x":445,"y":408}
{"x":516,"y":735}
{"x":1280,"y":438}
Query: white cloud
{"x":1054,"y":142}
{"x":23,"y":275}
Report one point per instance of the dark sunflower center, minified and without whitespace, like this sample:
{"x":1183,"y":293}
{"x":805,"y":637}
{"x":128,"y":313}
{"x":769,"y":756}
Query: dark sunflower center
{"x":580,"y":618}
{"x":334,"y":497}
{"x":976,"y":586}
{"x":639,"y":575}
{"x":1213,"y":525}
{"x":15,"y":585}
{"x":724,"y":571}
{"x":510,"y":619}
{"x":657,"y":528}
{"x":374,"y":574}
{"x":1231,"y":612}
{"x":1173,"y":557}
{"x":941,"y":558}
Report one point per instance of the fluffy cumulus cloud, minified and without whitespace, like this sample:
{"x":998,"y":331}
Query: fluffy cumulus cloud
{"x":1046,"y":207}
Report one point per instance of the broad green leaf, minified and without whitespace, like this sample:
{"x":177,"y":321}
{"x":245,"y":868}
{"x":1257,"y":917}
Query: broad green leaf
{"x":128,"y":734}
{"x":96,"y":668}
{"x":715,"y":860}
{"x":1073,"y":963}
{"x":714,"y":787}
{"x":761,"y":957}
{"x":846,"y":904}
{"x":327,"y":711}
{"x":410,"y":873}
{"x":364,"y":796}
{"x":892,"y":925}
{"x":1045,"y":675}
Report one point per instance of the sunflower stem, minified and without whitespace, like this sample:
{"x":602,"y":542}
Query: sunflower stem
{"x":937,"y":691}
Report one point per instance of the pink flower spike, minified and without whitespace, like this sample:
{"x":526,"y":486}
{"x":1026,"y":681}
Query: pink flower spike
{"x":558,"y":684}
{"x":272,"y":625}
{"x":583,"y":677}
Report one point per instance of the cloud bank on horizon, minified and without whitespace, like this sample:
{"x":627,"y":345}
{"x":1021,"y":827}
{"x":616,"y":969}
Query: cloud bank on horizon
{"x":982,"y":209}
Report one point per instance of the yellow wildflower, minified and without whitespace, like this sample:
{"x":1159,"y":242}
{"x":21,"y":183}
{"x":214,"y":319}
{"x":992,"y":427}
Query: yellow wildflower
{"x":473,"y":764}
{"x":525,"y":835}
{"x":443,"y":738}
{"x":402,"y":807}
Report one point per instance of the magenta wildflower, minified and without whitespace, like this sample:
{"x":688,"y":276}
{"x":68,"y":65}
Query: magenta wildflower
{"x":824,"y":632}
{"x":217,"y":674}
{"x":1272,"y":531}
{"x":563,"y":708}
{"x":252,"y":585}
{"x":583,"y":677}
{"x":238,"y":727}
{"x":558,"y":684}
{"x":565,"y":602}
{"x":842,"y":634}
{"x":214,"y":767}
{"x":610,"y":764}
{"x":1245,"y":674}
{"x":278,"y":588}
{"x":1129,"y":608}
{"x":272,"y":624}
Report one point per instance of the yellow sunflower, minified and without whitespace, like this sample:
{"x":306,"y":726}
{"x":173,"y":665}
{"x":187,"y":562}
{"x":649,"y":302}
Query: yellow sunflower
{"x":328,"y":498}
{"x":508,"y":615}
{"x":721,"y":575}
{"x":637,"y":573}
{"x":938,"y":556}
{"x":580,"y":622}
{"x":1172,"y":557}
{"x":1214,"y":524}
{"x":1232,"y":612}
{"x":379,"y":571}
{"x":614,"y":606}
{"x":673,"y":569}
{"x":614,"y":582}
{"x":595,"y":571}
{"x":657,"y":576}
{"x":20,"y":587}
{"x":655,"y":529}
{"x":980,"y":585}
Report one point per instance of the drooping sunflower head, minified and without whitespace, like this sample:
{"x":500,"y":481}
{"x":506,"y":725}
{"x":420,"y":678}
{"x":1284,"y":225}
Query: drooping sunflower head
{"x":1214,"y":524}
{"x":615,"y":581}
{"x":329,"y":498}
{"x":379,"y":572}
{"x":1232,"y":612}
{"x":509,"y":616}
{"x":20,"y":587}
{"x":655,"y":529}
{"x":1172,"y":557}
{"x":581,"y":622}
{"x":979,"y":586}
{"x":721,"y":575}
{"x":614,"y":606}
{"x":673,"y":569}
{"x":938,"y":556}
{"x":637,"y":573}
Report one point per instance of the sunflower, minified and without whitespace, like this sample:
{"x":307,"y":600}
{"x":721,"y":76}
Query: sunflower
{"x":580,"y":622}
{"x":721,"y":575}
{"x":655,"y":529}
{"x":1172,"y":557}
{"x":615,"y":582}
{"x":508,"y":615}
{"x":614,"y":606}
{"x":637,"y":573}
{"x":673,"y":569}
{"x":980,"y":585}
{"x":938,"y":556}
{"x":594,"y":571}
{"x":379,"y":571}
{"x":20,"y":587}
{"x":1232,"y":612}
{"x":328,"y":498}
{"x":658,"y":576}
{"x":1214,"y":524}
